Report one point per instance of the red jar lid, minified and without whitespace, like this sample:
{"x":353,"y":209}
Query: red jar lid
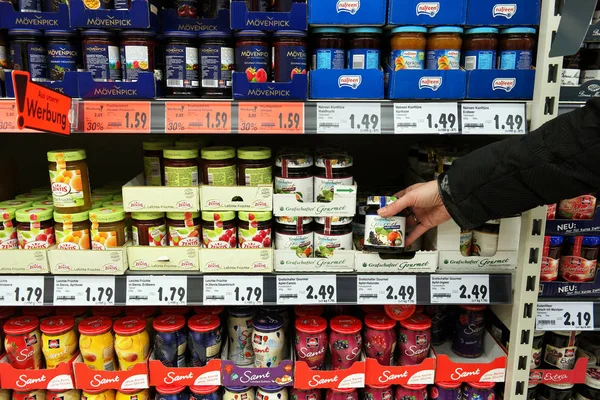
{"x":38,"y":311}
{"x":7,"y":312}
{"x":369,"y":308}
{"x":345,"y":324}
{"x":95,"y":325}
{"x":343,"y":390}
{"x":449,"y":385}
{"x":379,"y":387}
{"x":399,"y":312}
{"x":74,"y":311}
{"x":181,"y":310}
{"x":204,"y":389}
{"x":417,"y":322}
{"x":414,"y":387}
{"x":481,"y":385}
{"x":204,"y":322}
{"x":473,"y":307}
{"x":169,"y":389}
{"x":57,"y":325}
{"x":141,"y":311}
{"x":21,"y":325}
{"x":216,"y":310}
{"x":168,"y":323}
{"x":303,"y":311}
{"x":311,"y":324}
{"x":108,"y":311}
{"x":129,"y":325}
{"x":380,"y":322}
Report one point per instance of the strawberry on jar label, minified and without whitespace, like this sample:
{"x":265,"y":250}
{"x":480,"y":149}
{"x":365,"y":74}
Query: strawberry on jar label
{"x":35,"y":229}
{"x":219,"y":230}
{"x":8,"y":229}
{"x":255,"y":229}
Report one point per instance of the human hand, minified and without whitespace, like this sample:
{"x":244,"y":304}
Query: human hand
{"x":426,"y":204}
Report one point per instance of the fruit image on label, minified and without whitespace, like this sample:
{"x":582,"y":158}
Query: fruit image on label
{"x":36,"y":238}
{"x":73,"y":240}
{"x":302,"y":187}
{"x":8,"y":238}
{"x":326,"y":245}
{"x":67,"y":188}
{"x":254,"y":238}
{"x":184,"y":236}
{"x":387,"y":232}
{"x":219,"y":238}
{"x":103,"y":240}
{"x":301,"y":244}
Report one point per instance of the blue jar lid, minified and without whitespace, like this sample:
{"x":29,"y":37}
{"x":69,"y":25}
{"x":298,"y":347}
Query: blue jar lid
{"x":377,"y":31}
{"x":271,"y":388}
{"x":587,"y":240}
{"x":485,"y":29}
{"x":250,"y":33}
{"x":531,"y":31}
{"x":237,"y":389}
{"x":556,"y":240}
{"x":289,"y":33}
{"x":97,"y":32}
{"x":328,"y":29}
{"x":446,"y":29}
{"x":267,"y":322}
{"x":214,"y":34}
{"x":30,"y":32}
{"x":62,"y":32}
{"x":137,"y":32}
{"x":180,"y":34}
{"x":409,"y":29}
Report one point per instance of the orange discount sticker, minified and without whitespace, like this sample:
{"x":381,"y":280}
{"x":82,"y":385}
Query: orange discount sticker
{"x":197,"y":117}
{"x":116,"y":117}
{"x":8,"y":116}
{"x":271,"y":118}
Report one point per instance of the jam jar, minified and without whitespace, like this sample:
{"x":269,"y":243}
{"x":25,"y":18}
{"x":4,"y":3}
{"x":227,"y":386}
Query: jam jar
{"x":380,"y":338}
{"x":485,"y":239}
{"x":137,"y":53}
{"x":579,"y":258}
{"x":205,"y":336}
{"x":216,"y":64}
{"x":255,"y":166}
{"x":35,"y":229}
{"x":59,"y":340}
{"x":560,"y":348}
{"x":310,"y":341}
{"x":408,"y":46}
{"x":170,"y":339}
{"x":182,"y":64}
{"x":469,"y":331}
{"x":591,"y":389}
{"x":154,"y":161}
{"x":331,"y":170}
{"x":22,"y":341}
{"x":69,"y":180}
{"x":268,"y":340}
{"x":515,"y":48}
{"x":293,"y":175}
{"x":446,"y":391}
{"x":536,"y":349}
{"x":63,"y":53}
{"x":581,"y":207}
{"x":329,"y":49}
{"x":414,"y":339}
{"x":8,"y":229}
{"x":383,"y":235}
{"x":28,"y":53}
{"x":289,"y":55}
{"x":253,"y":55}
{"x":72,"y":231}
{"x":108,"y":228}
{"x":149,"y":229}
{"x":413,"y":392}
{"x":183,"y":228}
{"x":364,"y":48}
{"x":181,"y":167}
{"x":101,"y":55}
{"x":345,"y":341}
{"x":443,"y":47}
{"x":550,"y":258}
{"x":16,"y":204}
{"x":296,"y":234}
{"x":219,"y":230}
{"x":555,"y":391}
{"x":331,"y":234}
{"x":254,"y":229}
{"x":479,"y":48}
{"x":219,"y":166}
{"x":4,"y":53}
{"x":478,"y":390}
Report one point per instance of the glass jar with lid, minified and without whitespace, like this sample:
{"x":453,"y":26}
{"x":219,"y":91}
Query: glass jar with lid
{"x":485,"y":239}
{"x":408,"y":47}
{"x":35,"y":228}
{"x":154,"y":161}
{"x":216,"y":64}
{"x":8,"y":228}
{"x":578,"y":261}
{"x":289,"y":55}
{"x":329,"y":48}
{"x":149,"y":229}
{"x":101,"y":55}
{"x":4,"y":52}
{"x":72,"y":231}
{"x":560,"y":349}
{"x":182,"y":64}
{"x":296,"y":234}
{"x":218,"y":166}
{"x":180,"y":167}
{"x":364,"y":48}
{"x":219,"y":230}
{"x":137,"y":53}
{"x":383,"y":234}
{"x":332,"y":234}
{"x":70,"y":181}
{"x":253,"y":55}
{"x":184,"y":228}
{"x":255,"y":166}
{"x":108,"y":229}
{"x":16,"y":204}
{"x":479,"y":48}
{"x":254,"y":229}
{"x":63,"y":53}
{"x":294,"y":175}
{"x":515,"y":48}
{"x":28,"y":53}
{"x":443,"y":47}
{"x":332,"y":169}
{"x":591,"y":389}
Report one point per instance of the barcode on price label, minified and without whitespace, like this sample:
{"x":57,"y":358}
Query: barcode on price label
{"x":565,"y":316}
{"x":420,"y":118}
{"x":460,"y":289}
{"x":306,"y":289}
{"x":387,"y":289}
{"x":348,"y":118}
{"x":497,"y":119}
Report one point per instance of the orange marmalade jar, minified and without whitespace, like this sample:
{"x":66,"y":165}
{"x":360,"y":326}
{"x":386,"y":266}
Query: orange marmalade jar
{"x":443,"y":47}
{"x":70,"y":181}
{"x":408,"y":47}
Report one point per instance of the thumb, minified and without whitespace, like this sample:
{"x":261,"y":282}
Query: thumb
{"x":407,"y":200}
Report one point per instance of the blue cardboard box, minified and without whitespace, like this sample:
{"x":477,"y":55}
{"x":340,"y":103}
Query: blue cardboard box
{"x":346,"y":84}
{"x":295,"y":20}
{"x":346,"y":12}
{"x":496,"y":84}
{"x":143,"y":88}
{"x":297,"y":89}
{"x":497,"y":12}
{"x":570,"y":289}
{"x":172,"y":22}
{"x":426,"y":84}
{"x":68,"y":86}
{"x":431,"y":13}
{"x":141,"y":15}
{"x":11,"y":19}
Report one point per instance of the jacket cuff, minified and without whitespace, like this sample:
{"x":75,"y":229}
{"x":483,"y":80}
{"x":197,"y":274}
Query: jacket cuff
{"x":450,"y":204}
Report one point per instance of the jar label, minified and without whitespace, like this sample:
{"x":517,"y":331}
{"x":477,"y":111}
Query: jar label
{"x":329,"y":59}
{"x":103,"y":61}
{"x":135,"y":59}
{"x":254,"y":61}
{"x":324,"y":188}
{"x":386,"y":232}
{"x":577,"y":269}
{"x":59,"y":348}
{"x":258,"y":176}
{"x":443,"y":59}
{"x":301,"y":187}
{"x":3,"y":57}
{"x":104,"y":240}
{"x":221,"y":176}
{"x":301,"y":244}
{"x":560,"y":357}
{"x":157,"y":235}
{"x":326,"y":245}
{"x":570,"y":77}
{"x":414,"y":346}
{"x":536,"y":358}
{"x":152,"y":171}
{"x":184,"y":236}
{"x":551,"y":211}
{"x":62,"y":57}
{"x":549,"y":269}
{"x":181,"y":176}
{"x":408,"y":59}
{"x":30,"y":5}
{"x":291,"y":61}
{"x":67,"y":188}
{"x":219,"y":238}
{"x":73,"y":240}
{"x":466,"y":243}
{"x":363,"y":59}
{"x":217,"y":66}
{"x":484,"y":244}
{"x":479,"y":59}
{"x":182,"y":66}
{"x":590,"y":75}
{"x":36,"y":238}
{"x":268,"y":348}
{"x":186,"y":8}
{"x":254,"y":238}
{"x":8,"y":238}
{"x":582,"y":207}
{"x":35,"y":58}
{"x":516,"y":59}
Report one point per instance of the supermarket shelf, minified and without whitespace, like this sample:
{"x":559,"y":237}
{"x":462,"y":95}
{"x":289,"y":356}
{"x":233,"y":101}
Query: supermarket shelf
{"x":345,"y":289}
{"x":568,"y":106}
{"x":560,"y":313}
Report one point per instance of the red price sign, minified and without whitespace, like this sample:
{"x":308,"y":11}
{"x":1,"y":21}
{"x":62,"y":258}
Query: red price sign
{"x":197,"y":117}
{"x":116,"y":117}
{"x":271,"y":118}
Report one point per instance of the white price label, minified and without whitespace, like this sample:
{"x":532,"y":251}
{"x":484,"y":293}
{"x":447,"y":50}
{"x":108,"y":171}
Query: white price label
{"x":387,"y":289}
{"x":306,"y":289}
{"x":495,"y":119}
{"x":22,"y":290}
{"x":426,"y":118}
{"x":460,"y":289}
{"x":233,"y":290}
{"x":573,"y":316}
{"x":84,"y":291}
{"x":156,"y":290}
{"x":348,"y":118}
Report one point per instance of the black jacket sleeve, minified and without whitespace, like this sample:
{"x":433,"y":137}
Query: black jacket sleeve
{"x":560,"y":160}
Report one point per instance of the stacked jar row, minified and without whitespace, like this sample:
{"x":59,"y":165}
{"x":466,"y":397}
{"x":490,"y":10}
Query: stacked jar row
{"x":572,"y":258}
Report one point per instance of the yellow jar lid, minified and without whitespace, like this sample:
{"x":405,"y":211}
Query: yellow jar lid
{"x":259,"y":216}
{"x":180,"y":216}
{"x":16,"y":204}
{"x":147,"y":216}
{"x":218,"y":216}
{"x":180,"y":154}
{"x":7,"y":213}
{"x":218,"y":153}
{"x":34,"y":214}
{"x":107,"y":214}
{"x":77,"y":217}
{"x":157,"y":144}
{"x":31,"y":196}
{"x":66,"y":155}
{"x":254,"y":153}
